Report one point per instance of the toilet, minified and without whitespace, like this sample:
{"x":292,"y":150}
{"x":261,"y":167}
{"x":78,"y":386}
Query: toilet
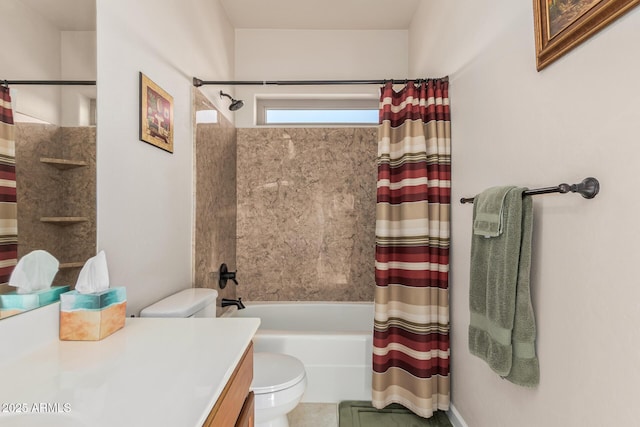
{"x":192,"y":302}
{"x":279,"y":380}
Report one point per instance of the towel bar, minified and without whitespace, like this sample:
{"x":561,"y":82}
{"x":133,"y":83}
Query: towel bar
{"x":588,"y":189}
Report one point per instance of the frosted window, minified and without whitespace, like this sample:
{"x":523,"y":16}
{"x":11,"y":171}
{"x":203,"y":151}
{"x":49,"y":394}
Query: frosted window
{"x":331,"y":116}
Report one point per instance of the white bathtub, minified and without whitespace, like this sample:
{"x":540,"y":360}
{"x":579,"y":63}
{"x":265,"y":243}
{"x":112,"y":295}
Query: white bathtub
{"x":332,"y":339}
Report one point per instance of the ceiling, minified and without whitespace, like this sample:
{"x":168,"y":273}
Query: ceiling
{"x":321,"y":14}
{"x":80,"y":15}
{"x":67,"y":15}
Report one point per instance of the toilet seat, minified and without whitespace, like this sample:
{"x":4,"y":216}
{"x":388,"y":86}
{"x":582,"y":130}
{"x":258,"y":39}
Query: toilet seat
{"x":274,"y":372}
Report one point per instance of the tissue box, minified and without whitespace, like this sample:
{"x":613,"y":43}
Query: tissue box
{"x":92,"y":317}
{"x":13,"y":303}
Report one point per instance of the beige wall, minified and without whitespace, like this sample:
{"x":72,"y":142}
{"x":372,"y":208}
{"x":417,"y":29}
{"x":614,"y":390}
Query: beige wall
{"x":39,"y":50}
{"x":145,"y":195}
{"x":306,"y":214}
{"x":32,"y":54}
{"x":78,"y":62}
{"x":514,"y":125}
{"x":263,"y":54}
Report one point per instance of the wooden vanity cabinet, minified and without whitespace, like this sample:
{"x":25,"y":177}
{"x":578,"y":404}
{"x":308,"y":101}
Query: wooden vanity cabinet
{"x":247,"y":418}
{"x":235,"y":405}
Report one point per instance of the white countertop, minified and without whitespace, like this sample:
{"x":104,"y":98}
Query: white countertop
{"x":153,"y":372}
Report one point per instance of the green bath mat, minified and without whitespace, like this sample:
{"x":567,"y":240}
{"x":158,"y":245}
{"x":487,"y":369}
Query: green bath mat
{"x":362,"y":414}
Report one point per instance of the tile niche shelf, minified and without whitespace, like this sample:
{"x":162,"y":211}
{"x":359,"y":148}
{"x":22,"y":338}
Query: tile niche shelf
{"x":68,"y":265}
{"x":63,"y":164}
{"x":64,"y":220}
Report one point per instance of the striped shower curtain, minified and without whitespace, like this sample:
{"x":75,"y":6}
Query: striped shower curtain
{"x":411,"y":327}
{"x":8,"y":206}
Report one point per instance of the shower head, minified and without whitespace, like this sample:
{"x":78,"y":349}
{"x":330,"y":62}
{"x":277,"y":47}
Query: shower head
{"x":235,"y":105}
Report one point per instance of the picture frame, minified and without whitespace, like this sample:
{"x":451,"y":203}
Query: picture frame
{"x":156,"y":115}
{"x":561,"y":25}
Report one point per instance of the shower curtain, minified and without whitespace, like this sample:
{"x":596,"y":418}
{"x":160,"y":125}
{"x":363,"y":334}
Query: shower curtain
{"x":8,"y":206}
{"x":411,"y":326}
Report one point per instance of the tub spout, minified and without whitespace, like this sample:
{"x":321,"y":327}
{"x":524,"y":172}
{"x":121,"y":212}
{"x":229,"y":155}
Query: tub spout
{"x":237,"y":302}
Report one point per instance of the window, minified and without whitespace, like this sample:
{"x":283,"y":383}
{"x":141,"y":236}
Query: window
{"x":316,"y":112}
{"x":207,"y":116}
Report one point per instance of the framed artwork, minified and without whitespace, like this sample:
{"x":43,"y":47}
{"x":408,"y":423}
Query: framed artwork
{"x":156,"y":115}
{"x":561,"y":25}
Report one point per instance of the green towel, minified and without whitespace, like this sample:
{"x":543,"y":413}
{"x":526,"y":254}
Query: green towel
{"x":502,"y":330}
{"x":489,"y":211}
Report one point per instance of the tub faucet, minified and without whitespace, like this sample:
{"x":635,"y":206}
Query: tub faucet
{"x":237,"y":302}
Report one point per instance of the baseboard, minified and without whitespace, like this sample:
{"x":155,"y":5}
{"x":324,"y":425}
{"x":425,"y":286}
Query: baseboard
{"x":455,"y":417}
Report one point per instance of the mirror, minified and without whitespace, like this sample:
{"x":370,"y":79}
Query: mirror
{"x":54,"y":130}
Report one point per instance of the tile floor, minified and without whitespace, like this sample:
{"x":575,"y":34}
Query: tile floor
{"x":314,"y":415}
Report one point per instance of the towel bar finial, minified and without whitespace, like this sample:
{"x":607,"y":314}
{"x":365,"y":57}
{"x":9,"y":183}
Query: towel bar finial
{"x":588,"y":188}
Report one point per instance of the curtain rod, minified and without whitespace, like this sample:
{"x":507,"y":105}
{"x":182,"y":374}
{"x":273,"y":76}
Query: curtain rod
{"x":49,"y":82}
{"x":588,"y":188}
{"x":198,"y":82}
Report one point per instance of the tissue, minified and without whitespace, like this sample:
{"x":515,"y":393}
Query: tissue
{"x":34,"y":272}
{"x":94,"y":276}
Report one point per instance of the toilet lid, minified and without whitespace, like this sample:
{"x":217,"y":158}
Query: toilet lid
{"x":274,"y":372}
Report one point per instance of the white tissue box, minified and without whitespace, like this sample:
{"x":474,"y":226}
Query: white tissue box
{"x":13,"y":303}
{"x":92,"y":317}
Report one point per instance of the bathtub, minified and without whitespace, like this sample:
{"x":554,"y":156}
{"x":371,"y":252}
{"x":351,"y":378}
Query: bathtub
{"x":332,"y":339}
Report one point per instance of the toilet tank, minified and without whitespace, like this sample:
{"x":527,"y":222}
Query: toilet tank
{"x":192,"y":302}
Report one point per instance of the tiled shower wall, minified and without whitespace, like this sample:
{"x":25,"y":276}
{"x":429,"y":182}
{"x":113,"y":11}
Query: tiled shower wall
{"x":45,"y":191}
{"x":306,"y":213}
{"x":215,"y":239}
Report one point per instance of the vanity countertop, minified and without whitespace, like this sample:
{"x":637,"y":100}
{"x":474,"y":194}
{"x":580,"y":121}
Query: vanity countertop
{"x":153,"y":372}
